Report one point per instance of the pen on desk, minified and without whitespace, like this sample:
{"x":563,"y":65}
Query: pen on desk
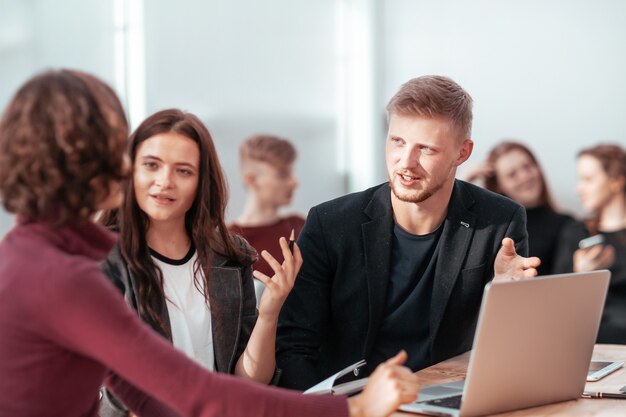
{"x":591,"y":394}
{"x":291,"y":240}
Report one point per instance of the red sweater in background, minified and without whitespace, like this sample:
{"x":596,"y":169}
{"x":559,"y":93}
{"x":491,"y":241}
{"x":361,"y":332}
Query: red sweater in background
{"x":62,"y":325}
{"x":266,"y":238}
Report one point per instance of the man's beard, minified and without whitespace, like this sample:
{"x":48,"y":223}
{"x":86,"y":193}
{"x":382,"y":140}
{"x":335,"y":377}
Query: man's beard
{"x":415,"y":196}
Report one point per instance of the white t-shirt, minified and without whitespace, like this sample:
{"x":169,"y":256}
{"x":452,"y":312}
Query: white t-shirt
{"x":189,"y":312}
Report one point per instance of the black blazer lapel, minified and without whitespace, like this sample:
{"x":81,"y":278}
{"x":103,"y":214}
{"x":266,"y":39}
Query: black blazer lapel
{"x":377,"y":240}
{"x":456,"y":236}
{"x":225,"y":286}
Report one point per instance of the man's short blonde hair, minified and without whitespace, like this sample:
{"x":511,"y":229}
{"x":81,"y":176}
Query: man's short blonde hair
{"x":276,"y":151}
{"x":435,"y":96}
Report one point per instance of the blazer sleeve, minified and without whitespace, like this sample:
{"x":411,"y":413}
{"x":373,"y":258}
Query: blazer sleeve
{"x":304,"y":320}
{"x":249,"y":317}
{"x":114,"y":269}
{"x":139,"y":401}
{"x":249,"y":313}
{"x":110,"y":406}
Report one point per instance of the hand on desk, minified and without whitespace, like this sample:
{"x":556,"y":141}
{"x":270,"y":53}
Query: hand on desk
{"x":511,"y":266}
{"x":388,"y":387}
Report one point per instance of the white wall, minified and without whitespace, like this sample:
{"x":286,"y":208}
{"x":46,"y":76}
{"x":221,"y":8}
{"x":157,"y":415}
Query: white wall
{"x":550,"y":73}
{"x":247,"y":67}
{"x":40,"y":34}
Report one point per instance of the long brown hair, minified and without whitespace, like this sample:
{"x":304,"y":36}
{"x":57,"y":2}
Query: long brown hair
{"x":204,"y":221}
{"x":491,"y":181}
{"x":62,"y":137}
{"x":612,"y":158}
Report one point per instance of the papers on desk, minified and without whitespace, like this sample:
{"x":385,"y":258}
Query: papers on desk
{"x":328,"y":386}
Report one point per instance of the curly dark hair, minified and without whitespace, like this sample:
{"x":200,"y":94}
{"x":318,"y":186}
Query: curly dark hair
{"x":62,"y":141}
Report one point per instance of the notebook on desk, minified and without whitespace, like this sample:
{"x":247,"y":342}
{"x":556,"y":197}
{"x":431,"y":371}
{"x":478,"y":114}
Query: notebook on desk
{"x":532,"y":346}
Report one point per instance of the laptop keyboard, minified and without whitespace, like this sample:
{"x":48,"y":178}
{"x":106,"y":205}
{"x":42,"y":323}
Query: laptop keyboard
{"x":448,"y":402}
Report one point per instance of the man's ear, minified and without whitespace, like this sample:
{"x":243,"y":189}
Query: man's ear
{"x":465,"y":151}
{"x":249,"y":178}
{"x":617,"y":184}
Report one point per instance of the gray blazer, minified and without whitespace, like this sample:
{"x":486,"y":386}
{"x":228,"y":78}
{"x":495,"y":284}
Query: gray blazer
{"x":230,"y":284}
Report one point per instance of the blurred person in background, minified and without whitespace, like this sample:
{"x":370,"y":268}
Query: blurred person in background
{"x":266,"y":163}
{"x":65,"y":329}
{"x":511,"y":169}
{"x":602,"y":190}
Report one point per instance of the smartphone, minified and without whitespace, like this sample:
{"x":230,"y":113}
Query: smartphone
{"x":600,"y":369}
{"x":591,"y":241}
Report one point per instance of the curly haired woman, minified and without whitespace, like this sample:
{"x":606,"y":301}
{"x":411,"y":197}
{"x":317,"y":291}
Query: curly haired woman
{"x":63,"y":325}
{"x":602,"y":190}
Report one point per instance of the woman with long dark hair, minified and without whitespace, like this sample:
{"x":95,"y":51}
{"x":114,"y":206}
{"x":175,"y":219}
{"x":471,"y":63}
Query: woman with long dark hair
{"x":179,"y":266}
{"x":602,"y":190}
{"x":511,"y":169}
{"x":64,"y":327}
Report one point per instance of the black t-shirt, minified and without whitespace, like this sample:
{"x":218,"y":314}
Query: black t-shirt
{"x":407,"y":307}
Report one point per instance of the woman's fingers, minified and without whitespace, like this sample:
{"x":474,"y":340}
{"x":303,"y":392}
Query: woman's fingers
{"x":278,"y":286}
{"x":398,"y":359}
{"x":284,"y":274}
{"x":263,"y":278}
{"x":273,"y":263}
{"x":390,"y":385}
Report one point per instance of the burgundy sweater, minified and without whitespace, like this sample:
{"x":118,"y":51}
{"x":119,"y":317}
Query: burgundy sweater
{"x":63,"y":325}
{"x":266,"y":238}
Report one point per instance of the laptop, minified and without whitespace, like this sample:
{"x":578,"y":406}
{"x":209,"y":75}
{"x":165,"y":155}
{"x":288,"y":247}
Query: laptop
{"x":532,"y":346}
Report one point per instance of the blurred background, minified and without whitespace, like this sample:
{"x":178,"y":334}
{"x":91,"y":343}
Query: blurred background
{"x":549,"y":73}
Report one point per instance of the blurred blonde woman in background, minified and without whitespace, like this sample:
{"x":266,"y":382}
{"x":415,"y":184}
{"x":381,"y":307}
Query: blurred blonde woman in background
{"x":602,"y":190}
{"x":511,"y":169}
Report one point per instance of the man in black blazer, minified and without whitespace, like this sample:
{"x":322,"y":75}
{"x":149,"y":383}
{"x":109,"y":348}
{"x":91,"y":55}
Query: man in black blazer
{"x":402,"y":265}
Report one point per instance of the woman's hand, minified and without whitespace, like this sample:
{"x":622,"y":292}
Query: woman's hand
{"x":595,"y":257}
{"x":277,"y":288}
{"x":258,"y":360}
{"x":388,"y":387}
